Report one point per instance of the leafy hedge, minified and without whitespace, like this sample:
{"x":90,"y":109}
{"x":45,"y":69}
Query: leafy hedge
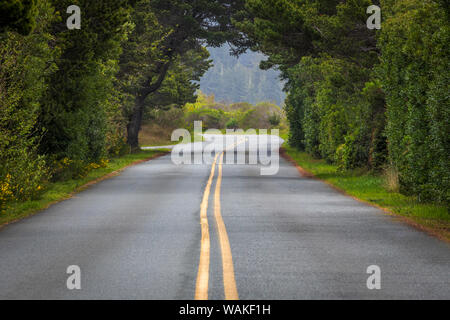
{"x":415,"y":61}
{"x":335,"y":113}
{"x":25,"y":61}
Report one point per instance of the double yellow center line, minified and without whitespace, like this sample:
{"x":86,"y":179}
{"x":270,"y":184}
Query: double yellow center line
{"x":229,"y":282}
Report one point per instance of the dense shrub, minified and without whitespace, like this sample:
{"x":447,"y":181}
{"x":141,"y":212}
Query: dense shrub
{"x":415,"y":41}
{"x":211,"y":118}
{"x":67,"y":169}
{"x":57,"y":99}
{"x":80,"y":95}
{"x":25,"y":62}
{"x":232,"y":124}
{"x":274,"y":119}
{"x":335,"y":113}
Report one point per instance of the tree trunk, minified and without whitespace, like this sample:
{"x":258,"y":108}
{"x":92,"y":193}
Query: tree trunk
{"x":135,"y":120}
{"x":134,"y":125}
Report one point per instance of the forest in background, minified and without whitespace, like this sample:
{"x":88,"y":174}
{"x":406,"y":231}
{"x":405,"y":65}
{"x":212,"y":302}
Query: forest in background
{"x":236,"y":79}
{"x":359,"y":98}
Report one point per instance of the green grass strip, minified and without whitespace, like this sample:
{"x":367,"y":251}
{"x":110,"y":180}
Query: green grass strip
{"x":58,"y":191}
{"x":371,"y":188}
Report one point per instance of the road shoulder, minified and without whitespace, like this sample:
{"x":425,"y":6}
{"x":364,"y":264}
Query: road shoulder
{"x":60,"y":191}
{"x":399,"y":207}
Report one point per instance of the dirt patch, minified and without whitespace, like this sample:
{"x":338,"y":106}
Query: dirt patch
{"x":154,"y":134}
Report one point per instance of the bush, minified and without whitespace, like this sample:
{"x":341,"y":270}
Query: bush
{"x":22,"y":178}
{"x":26,"y":61}
{"x":211,"y":118}
{"x":67,"y":169}
{"x":274,"y":120}
{"x":232,"y":124}
{"x":415,"y":41}
{"x":241,"y":115}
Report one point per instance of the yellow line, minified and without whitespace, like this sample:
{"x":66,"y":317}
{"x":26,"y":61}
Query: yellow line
{"x":201,"y":288}
{"x":229,"y":281}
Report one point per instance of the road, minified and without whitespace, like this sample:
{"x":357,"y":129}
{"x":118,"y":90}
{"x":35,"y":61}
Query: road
{"x":165,"y":231}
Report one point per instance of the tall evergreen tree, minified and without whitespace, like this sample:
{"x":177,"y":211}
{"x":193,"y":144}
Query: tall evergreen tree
{"x":73,"y":116}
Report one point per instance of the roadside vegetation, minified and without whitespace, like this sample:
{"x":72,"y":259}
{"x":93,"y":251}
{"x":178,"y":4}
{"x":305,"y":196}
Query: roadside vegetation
{"x":361,"y":99}
{"x":377,"y":189}
{"x":158,"y":124}
{"x":72,"y":100}
{"x":368,"y":110}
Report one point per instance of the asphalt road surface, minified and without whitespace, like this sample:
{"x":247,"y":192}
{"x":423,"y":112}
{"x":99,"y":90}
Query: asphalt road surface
{"x":166,"y":231}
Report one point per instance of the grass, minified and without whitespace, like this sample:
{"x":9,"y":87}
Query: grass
{"x":155,"y":135}
{"x":58,"y":191}
{"x":373,"y":189}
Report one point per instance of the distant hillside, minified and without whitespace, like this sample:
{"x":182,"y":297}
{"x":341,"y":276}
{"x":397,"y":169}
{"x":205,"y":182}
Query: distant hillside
{"x":237,"y":80}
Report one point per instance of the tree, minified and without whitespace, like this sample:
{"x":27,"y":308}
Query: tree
{"x":18,"y":15}
{"x":182,"y":81}
{"x":326,"y":52}
{"x":73,"y":115}
{"x":287,"y":30}
{"x":26,"y":61}
{"x":414,"y":42}
{"x":186,"y":26}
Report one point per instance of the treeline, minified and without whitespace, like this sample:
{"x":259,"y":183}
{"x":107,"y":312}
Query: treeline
{"x":360,"y":97}
{"x":233,"y":79}
{"x":70,"y":99}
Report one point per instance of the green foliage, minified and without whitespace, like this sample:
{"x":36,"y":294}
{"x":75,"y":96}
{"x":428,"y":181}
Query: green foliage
{"x":414,"y":71}
{"x":67,"y":169}
{"x":74,"y":112}
{"x":67,"y":96}
{"x":232,"y":124}
{"x":356,"y":98}
{"x":18,"y":15}
{"x":372,"y":188}
{"x":171,"y":117}
{"x":25,"y":63}
{"x":211,"y":118}
{"x":326,"y":52}
{"x":186,"y":26}
{"x":335,"y":114}
{"x":272,"y":25}
{"x":274,"y":119}
{"x":57,"y":99}
{"x":181,"y":83}
{"x":359,"y":101}
{"x":242,"y":115}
